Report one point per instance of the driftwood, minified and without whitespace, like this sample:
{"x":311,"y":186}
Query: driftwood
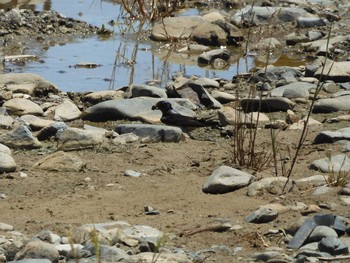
{"x":219,"y":227}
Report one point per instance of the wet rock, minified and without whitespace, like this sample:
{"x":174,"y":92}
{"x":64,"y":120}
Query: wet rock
{"x":334,"y":164}
{"x":35,"y":123}
{"x":23,"y":106}
{"x":60,"y":162}
{"x":270,"y":184}
{"x":294,"y":90}
{"x":307,"y":22}
{"x":332,"y":105}
{"x":293,"y":39}
{"x":154,"y":132}
{"x":139,"y":90}
{"x":37,"y":249}
{"x":261,"y":216}
{"x":209,"y":34}
{"x":209,"y":57}
{"x":226,"y":179}
{"x":31,"y":84}
{"x":7,"y":163}
{"x":176,"y":27}
{"x":270,"y":104}
{"x":20,"y":138}
{"x":75,"y":139}
{"x":51,"y":130}
{"x":318,"y":45}
{"x":332,"y":136}
{"x":67,"y":111}
{"x":100,"y":96}
{"x":133,"y":109}
{"x":333,"y":246}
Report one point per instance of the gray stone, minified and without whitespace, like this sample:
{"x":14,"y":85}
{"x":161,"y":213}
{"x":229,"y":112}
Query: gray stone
{"x":37,"y":249}
{"x":61,"y":162}
{"x":75,"y":139}
{"x":209,"y":34}
{"x":270,"y":184}
{"x":294,"y":90}
{"x":35,"y":123}
{"x":270,"y":104}
{"x":209,"y":56}
{"x":293,"y":39}
{"x":315,"y":180}
{"x":333,"y":246}
{"x":5,"y":149}
{"x":164,"y":257}
{"x":134,"y":109}
{"x":320,"y":232}
{"x":226,"y":179}
{"x":335,"y":164}
{"x":100,"y":96}
{"x":260,"y":15}
{"x":321,"y":190}
{"x":20,"y":138}
{"x":338,"y":71}
{"x":307,"y":22}
{"x":222,"y":97}
{"x":67,"y":111}
{"x":23,"y":106}
{"x":143,"y":233}
{"x":154,"y":132}
{"x":261,"y":216}
{"x":266,"y":256}
{"x":139,"y":90}
{"x":273,"y":75}
{"x":7,"y":163}
{"x":329,"y":105}
{"x":6,"y":122}
{"x":132,"y":173}
{"x":51,"y":130}
{"x":332,"y":136}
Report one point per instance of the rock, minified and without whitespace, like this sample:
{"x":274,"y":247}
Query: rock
{"x":307,"y":22}
{"x":272,"y":75}
{"x":321,"y":232}
{"x":60,"y":162}
{"x":35,"y":123}
{"x":262,"y":215}
{"x":260,"y":15}
{"x":37,"y":249}
{"x":6,"y":122}
{"x":154,"y":132}
{"x":226,"y":179}
{"x":268,"y":44}
{"x":21,"y":107}
{"x":338,"y":71}
{"x":333,"y":246}
{"x":315,"y":180}
{"x":320,"y":190}
{"x":143,"y":233}
{"x":294,"y":90}
{"x":139,"y":90}
{"x":7,"y":163}
{"x":268,"y":256}
{"x":132,"y":173}
{"x":209,"y":34}
{"x":332,"y":105}
{"x":5,"y":149}
{"x":334,"y":164}
{"x":6,"y":227}
{"x":31,"y":84}
{"x":75,"y":138}
{"x":133,"y":109}
{"x":270,"y":184}
{"x":50,"y":131}
{"x":125,"y":138}
{"x":270,"y":104}
{"x":67,"y":111}
{"x":100,"y":96}
{"x":293,"y":39}
{"x":20,"y":138}
{"x":209,"y":57}
{"x":332,"y":136}
{"x":222,"y":97}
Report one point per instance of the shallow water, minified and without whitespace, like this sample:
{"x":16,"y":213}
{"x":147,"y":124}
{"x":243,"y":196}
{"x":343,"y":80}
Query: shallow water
{"x":56,"y":63}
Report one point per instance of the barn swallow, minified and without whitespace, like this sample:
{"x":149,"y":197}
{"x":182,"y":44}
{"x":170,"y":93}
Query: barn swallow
{"x":173,"y":118}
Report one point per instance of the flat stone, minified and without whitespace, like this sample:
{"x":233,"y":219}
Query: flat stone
{"x":154,"y":132}
{"x":37,"y":249}
{"x":335,"y":164}
{"x":139,"y":90}
{"x":67,"y":111}
{"x":270,"y":104}
{"x":226,"y":179}
{"x":60,"y":162}
{"x":100,"y":96}
{"x":35,"y":122}
{"x":21,"y":107}
{"x":20,"y":138}
{"x":262,"y":215}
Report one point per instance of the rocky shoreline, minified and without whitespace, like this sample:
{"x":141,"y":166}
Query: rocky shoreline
{"x":46,"y":133}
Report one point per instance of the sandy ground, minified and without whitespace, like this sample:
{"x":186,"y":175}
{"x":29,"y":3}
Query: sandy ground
{"x":172,"y":183}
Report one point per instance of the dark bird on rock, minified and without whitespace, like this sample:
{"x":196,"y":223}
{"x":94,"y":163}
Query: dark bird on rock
{"x":173,"y":118}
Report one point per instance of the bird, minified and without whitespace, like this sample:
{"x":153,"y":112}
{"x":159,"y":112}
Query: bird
{"x":173,"y":118}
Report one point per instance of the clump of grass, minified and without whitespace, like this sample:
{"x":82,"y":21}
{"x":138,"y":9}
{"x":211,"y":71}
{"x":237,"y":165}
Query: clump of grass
{"x":338,"y":178}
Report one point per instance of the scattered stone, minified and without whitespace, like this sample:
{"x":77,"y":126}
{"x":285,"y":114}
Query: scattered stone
{"x":261,"y":216}
{"x":67,"y":111}
{"x":138,"y":90}
{"x":334,"y":164}
{"x":333,"y":246}
{"x":209,"y":57}
{"x":332,"y":136}
{"x":270,"y":104}
{"x":35,"y":123}
{"x":37,"y":249}
{"x":226,"y":179}
{"x":21,"y":107}
{"x":132,"y":173}
{"x":100,"y":96}
{"x":7,"y":163}
{"x":20,"y":138}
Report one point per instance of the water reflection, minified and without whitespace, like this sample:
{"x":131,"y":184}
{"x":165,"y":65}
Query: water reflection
{"x":25,"y":4}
